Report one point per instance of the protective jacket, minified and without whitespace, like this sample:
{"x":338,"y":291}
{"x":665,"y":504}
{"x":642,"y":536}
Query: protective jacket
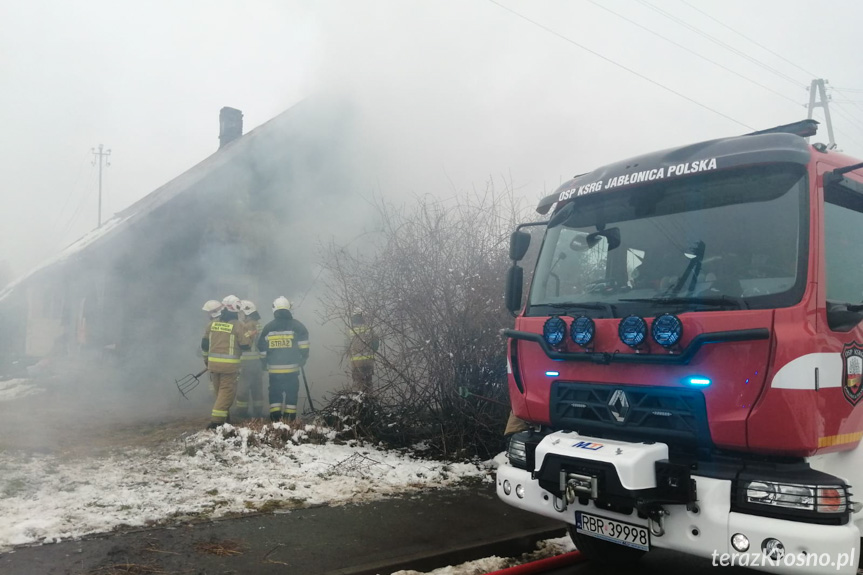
{"x":363,"y":343}
{"x":251,"y":329}
{"x":223,"y":342}
{"x":284,"y":344}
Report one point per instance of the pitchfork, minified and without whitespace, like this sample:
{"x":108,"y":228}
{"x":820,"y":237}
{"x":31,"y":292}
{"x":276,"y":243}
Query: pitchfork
{"x":189,"y":382}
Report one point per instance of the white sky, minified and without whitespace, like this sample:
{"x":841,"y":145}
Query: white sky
{"x":456,"y":91}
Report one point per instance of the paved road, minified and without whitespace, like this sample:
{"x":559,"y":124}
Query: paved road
{"x":657,"y":562}
{"x":409,"y":532}
{"x":349,"y":539}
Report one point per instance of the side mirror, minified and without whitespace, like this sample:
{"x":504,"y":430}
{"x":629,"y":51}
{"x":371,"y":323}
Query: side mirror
{"x":514,"y":285}
{"x":518,"y":243}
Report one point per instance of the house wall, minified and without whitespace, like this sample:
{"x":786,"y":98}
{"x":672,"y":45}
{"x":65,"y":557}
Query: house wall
{"x":45,"y":332}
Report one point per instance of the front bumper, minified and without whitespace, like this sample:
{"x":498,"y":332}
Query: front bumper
{"x":703,"y":528}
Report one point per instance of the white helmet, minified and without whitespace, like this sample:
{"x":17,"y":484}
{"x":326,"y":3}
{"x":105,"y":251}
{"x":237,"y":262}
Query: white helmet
{"x":213,"y":307}
{"x":248,"y":307}
{"x":231,"y":303}
{"x":281,"y":303}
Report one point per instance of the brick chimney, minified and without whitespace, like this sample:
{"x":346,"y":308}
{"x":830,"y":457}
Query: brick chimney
{"x":230,"y":125}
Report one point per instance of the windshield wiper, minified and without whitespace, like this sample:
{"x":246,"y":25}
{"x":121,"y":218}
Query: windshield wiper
{"x":607,"y":307}
{"x":723,"y":301}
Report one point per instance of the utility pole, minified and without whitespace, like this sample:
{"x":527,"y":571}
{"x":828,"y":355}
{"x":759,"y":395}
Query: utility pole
{"x":819,"y":86}
{"x":99,"y":157}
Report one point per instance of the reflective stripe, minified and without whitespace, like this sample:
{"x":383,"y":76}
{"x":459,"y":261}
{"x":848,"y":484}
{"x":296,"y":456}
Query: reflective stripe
{"x":289,"y":332}
{"x":231,"y":345}
{"x":360,"y":329}
{"x":225,"y":356}
{"x":242,"y":404}
{"x":274,"y":407}
{"x":250,"y":354}
{"x":219,"y":413}
{"x":290,"y":409}
{"x":361,"y":357}
{"x":223,"y":360}
{"x":304,"y":344}
{"x":205,"y":353}
{"x":286,"y":370}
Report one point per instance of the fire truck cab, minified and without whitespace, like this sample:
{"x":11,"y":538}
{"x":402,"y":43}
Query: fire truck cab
{"x":689,"y":355}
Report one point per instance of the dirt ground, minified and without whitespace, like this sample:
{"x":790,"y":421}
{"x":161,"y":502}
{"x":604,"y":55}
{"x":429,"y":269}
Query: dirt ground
{"x":91,"y":419}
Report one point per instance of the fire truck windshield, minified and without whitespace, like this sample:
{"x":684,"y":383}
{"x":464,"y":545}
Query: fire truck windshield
{"x":729,"y":240}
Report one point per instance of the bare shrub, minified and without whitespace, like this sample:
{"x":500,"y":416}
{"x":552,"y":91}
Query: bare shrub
{"x":431,"y":284}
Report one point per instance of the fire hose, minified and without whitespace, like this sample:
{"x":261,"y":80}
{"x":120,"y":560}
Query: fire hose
{"x":542,"y":565}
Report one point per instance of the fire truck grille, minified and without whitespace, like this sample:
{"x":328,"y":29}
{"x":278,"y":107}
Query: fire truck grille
{"x":631,"y":413}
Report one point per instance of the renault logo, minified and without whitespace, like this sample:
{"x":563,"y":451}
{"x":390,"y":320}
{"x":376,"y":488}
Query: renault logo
{"x":618,"y":405}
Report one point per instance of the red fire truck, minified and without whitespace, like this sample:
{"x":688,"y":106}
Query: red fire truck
{"x":689,"y":355}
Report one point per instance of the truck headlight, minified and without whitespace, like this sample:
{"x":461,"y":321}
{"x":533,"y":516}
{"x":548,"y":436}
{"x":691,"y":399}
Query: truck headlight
{"x":817,"y":498}
{"x":517,"y":452}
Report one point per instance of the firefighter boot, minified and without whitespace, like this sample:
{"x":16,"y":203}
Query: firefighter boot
{"x":275,"y":416}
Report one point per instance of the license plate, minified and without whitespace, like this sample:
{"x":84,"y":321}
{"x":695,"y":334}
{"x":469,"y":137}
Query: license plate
{"x":612,"y":530}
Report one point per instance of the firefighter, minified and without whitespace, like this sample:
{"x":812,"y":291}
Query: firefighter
{"x":250,"y":392}
{"x":514,"y":425}
{"x":213,"y":309}
{"x":223,"y":342}
{"x":284,"y":347}
{"x":362,"y":345}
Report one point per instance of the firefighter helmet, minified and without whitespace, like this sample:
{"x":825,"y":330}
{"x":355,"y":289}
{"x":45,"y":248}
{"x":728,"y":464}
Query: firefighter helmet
{"x":248,"y":307}
{"x":213,"y":308}
{"x":281,"y":303}
{"x":231,"y":303}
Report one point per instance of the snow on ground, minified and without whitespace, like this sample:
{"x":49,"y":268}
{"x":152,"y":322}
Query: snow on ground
{"x":17,"y":388}
{"x":547,"y":548}
{"x":44,"y":498}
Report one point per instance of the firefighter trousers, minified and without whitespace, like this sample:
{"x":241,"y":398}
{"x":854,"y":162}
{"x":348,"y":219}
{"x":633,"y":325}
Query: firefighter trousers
{"x":250,"y":390}
{"x":225,"y":387}
{"x":284,"y":391}
{"x":361,"y":374}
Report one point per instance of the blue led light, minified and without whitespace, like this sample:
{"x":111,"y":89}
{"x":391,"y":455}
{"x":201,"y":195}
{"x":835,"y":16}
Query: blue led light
{"x":552,"y":373}
{"x":554,"y":330}
{"x":699,"y":381}
{"x":582,"y":330}
{"x":666,"y":330}
{"x":632,"y":330}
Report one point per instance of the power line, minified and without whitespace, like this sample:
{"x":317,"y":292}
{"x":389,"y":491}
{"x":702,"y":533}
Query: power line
{"x":735,"y":72}
{"x":851,"y":119}
{"x":762,"y":46}
{"x":70,"y":193}
{"x":82,"y":200}
{"x":777,"y":54}
{"x":619,"y":65}
{"x":850,"y":137}
{"x":855,"y":104}
{"x":721,"y":43}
